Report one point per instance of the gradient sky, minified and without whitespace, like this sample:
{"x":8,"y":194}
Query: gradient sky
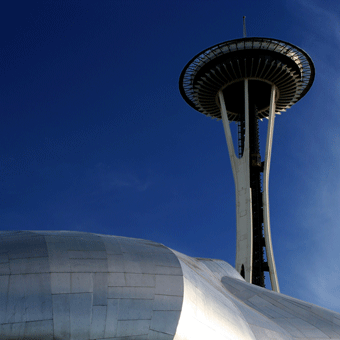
{"x":95,"y":136}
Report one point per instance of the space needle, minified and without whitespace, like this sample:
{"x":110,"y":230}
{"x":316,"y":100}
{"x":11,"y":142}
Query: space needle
{"x":243,"y":81}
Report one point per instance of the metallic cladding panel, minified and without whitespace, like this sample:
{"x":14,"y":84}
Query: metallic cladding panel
{"x":61,"y":316}
{"x":70,"y":285}
{"x":136,"y":289}
{"x":38,"y":298}
{"x":219,"y":304}
{"x":80,"y":315}
{"x":98,"y":322}
{"x":207,"y":307}
{"x":112,"y":314}
{"x":298,"y":319}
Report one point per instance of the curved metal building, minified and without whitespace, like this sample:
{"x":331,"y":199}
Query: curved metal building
{"x":71,"y":285}
{"x":244,"y":81}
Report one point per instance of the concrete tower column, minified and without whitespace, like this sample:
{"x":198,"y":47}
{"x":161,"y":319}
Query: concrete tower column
{"x":241,"y":172}
{"x":265,"y":196}
{"x":240,"y":166}
{"x":244,"y":81}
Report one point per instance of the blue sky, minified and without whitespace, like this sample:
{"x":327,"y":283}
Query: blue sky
{"x":95,"y":136}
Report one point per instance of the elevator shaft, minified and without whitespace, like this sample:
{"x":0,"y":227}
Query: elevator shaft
{"x":256,"y":168}
{"x":259,"y":265}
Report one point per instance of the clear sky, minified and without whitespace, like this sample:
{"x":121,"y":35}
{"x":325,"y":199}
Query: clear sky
{"x":95,"y":136}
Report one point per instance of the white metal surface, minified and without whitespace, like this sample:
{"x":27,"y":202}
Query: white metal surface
{"x":240,"y":166}
{"x":69,"y":285}
{"x":119,"y":288}
{"x":265,"y":196}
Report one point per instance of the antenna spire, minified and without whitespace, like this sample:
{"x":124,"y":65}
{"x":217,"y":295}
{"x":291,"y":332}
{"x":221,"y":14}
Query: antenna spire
{"x":244,"y":27}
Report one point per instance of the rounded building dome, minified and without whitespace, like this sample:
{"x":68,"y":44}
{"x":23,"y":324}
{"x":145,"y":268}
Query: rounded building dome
{"x":81,"y":286}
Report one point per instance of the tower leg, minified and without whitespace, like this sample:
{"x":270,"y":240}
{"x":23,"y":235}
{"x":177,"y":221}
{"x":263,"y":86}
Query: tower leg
{"x":266,"y":218}
{"x":241,"y":172}
{"x":240,"y":166}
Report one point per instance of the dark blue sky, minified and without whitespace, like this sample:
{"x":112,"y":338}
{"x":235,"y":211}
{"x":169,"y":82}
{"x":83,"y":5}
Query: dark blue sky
{"x":96,"y":137}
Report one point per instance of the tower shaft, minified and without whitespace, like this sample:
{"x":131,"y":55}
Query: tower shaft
{"x":253,"y":238}
{"x":242,"y":81}
{"x":259,"y":264}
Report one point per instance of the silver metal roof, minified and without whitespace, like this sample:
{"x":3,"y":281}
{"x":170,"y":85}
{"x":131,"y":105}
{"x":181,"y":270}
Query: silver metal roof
{"x":81,"y":286}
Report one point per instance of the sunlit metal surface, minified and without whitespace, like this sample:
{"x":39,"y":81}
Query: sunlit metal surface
{"x":71,"y":285}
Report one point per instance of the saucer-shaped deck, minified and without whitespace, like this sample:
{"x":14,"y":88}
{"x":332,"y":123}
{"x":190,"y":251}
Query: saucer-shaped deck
{"x":263,"y":61}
